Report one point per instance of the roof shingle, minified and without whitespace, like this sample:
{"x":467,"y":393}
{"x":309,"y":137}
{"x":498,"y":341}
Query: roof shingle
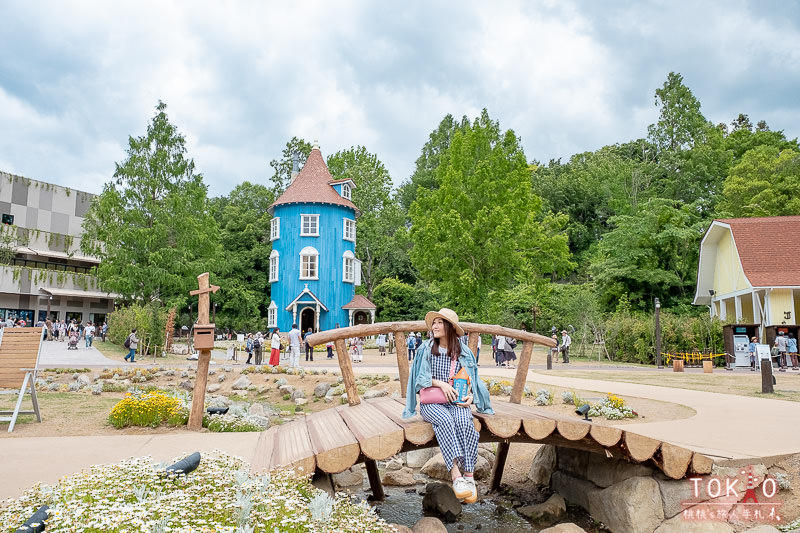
{"x":767,"y":249}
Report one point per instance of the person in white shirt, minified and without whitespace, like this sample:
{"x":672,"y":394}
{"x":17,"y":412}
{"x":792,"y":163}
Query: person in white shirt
{"x":566,"y":342}
{"x":381,"y":342}
{"x":294,"y":345}
{"x":88,"y":334}
{"x":275,"y":348}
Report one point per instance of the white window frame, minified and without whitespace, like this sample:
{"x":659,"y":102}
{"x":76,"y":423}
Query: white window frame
{"x":315,"y":223}
{"x":274,"y":265}
{"x":275,"y":228}
{"x":272,"y":315}
{"x":306,"y":255}
{"x":346,"y":192}
{"x":348,"y":267}
{"x":351,"y":234}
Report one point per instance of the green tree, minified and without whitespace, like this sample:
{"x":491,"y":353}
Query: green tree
{"x":764,"y":183}
{"x":680,"y":123}
{"x":150,"y":226}
{"x":381,"y":223}
{"x":396,"y":300}
{"x":483,"y":227}
{"x":282,"y":168}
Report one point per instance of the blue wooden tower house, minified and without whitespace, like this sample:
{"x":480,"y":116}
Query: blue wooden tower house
{"x":313,"y":270}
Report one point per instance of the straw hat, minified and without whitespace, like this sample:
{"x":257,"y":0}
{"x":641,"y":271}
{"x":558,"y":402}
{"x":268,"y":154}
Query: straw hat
{"x":445,"y":314}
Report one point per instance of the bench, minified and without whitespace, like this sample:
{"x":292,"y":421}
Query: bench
{"x":19,"y":361}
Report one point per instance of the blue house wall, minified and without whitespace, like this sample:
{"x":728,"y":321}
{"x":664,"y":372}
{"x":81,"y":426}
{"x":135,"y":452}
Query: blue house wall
{"x":329,"y":288}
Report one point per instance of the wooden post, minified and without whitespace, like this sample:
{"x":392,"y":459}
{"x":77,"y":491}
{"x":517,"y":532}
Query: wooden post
{"x":550,"y":358}
{"x":473,"y":343}
{"x":402,"y":360}
{"x":522,"y":373}
{"x":658,"y":334}
{"x":499,"y":465}
{"x":766,"y":377}
{"x":348,"y":377}
{"x":374,"y":479}
{"x":199,"y":395}
{"x":677,"y":365}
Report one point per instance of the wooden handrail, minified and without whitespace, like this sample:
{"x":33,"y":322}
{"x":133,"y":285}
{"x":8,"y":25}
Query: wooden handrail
{"x":339,"y":335}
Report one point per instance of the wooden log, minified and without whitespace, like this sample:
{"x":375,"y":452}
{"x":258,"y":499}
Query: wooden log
{"x":292,"y":448}
{"x":708,"y":367}
{"x":499,"y":465}
{"x":677,"y":365}
{"x":499,"y":425}
{"x":348,"y":378}
{"x":472,"y":343}
{"x":378,"y":437}
{"x":573,"y":429}
{"x":674,"y":460}
{"x":335,"y":447}
{"x":416,"y":430}
{"x":538,"y":428}
{"x":374,"y":480}
{"x":402,"y":360}
{"x":701,"y":464}
{"x":522,"y":373}
{"x":639,"y":447}
{"x":605,"y":435}
{"x":199,"y":391}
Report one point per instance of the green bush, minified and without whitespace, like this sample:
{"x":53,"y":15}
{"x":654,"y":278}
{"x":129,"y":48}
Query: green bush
{"x":149,"y":320}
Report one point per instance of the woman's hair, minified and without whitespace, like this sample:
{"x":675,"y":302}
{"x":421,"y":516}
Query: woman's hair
{"x":453,"y":341}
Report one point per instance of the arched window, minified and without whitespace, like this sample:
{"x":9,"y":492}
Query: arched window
{"x":275,"y":228}
{"x":309,"y":263}
{"x":348,"y":267}
{"x":272,"y":315}
{"x":273,"y":266}
{"x":346,"y":191}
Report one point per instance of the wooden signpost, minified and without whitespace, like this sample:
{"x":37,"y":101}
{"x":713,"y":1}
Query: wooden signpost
{"x":204,"y":343}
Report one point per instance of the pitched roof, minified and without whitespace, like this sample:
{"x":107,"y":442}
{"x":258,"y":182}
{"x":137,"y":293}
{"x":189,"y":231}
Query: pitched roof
{"x":313,"y":186}
{"x":767,"y":249}
{"x":359,"y":302}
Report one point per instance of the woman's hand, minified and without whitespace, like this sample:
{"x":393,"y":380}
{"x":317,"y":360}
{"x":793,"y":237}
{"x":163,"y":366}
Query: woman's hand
{"x":449,"y":392}
{"x":467,"y":402}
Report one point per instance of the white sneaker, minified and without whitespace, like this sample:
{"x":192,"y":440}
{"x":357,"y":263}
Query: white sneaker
{"x":473,"y":495}
{"x":461,"y":487}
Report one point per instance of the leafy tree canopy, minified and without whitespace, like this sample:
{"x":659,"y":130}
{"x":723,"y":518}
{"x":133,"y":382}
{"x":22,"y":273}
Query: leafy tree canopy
{"x":282,"y":168}
{"x":764,"y":183}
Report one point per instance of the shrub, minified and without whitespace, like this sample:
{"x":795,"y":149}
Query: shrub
{"x":544,"y":397}
{"x":150,"y":409}
{"x":612,"y":407}
{"x":230,"y":424}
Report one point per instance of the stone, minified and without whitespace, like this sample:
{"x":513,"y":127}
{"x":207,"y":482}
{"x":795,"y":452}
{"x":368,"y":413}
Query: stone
{"x":567,"y":527}
{"x":401,"y":529}
{"x":630,"y":506}
{"x":256,"y":409}
{"x":673,"y":493}
{"x":321,"y":389}
{"x":394,"y":464}
{"x":262,"y":421}
{"x":417,"y":458}
{"x":435,"y":468}
{"x":486,"y":454}
{"x":441,"y":500}
{"x":186,"y":385}
{"x":280,"y":382}
{"x":375,"y":394}
{"x":399,"y":478}
{"x":298,"y":394}
{"x":759,"y":472}
{"x":349,"y":478}
{"x":573,"y":462}
{"x":221,"y":378}
{"x":605,"y":472}
{"x":286,"y":389}
{"x":429,"y":524}
{"x":241,"y":384}
{"x":547,"y":513}
{"x":301,"y":401}
{"x":84,"y":380}
{"x":214,"y":387}
{"x":677,"y":524}
{"x":482,"y":468}
{"x":543,"y":465}
{"x":573,"y":490}
{"x":763,"y":528}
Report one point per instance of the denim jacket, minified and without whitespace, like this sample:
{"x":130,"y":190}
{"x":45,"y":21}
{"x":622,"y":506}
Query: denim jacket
{"x":420,"y":376}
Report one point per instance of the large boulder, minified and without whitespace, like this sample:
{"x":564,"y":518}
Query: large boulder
{"x":84,"y":380}
{"x":241,"y":384}
{"x":256,"y":409}
{"x":435,"y":468}
{"x":631,"y":506}
{"x":441,"y":500}
{"x":543,"y":465}
{"x":567,"y":527}
{"x":604,"y":472}
{"x":429,"y":524}
{"x":547,"y":513}
{"x":187,"y":385}
{"x":212,"y":388}
{"x":402,"y":529}
{"x":573,"y":489}
{"x":417,"y":458}
{"x":677,"y":524}
{"x":375,"y":394}
{"x":399,"y":478}
{"x":321,"y":389}
{"x":349,"y":478}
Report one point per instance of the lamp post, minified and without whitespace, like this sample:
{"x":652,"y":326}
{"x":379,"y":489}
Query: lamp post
{"x":658,"y":334}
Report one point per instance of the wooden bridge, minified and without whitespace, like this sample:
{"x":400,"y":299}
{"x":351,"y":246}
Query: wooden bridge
{"x":335,"y":439}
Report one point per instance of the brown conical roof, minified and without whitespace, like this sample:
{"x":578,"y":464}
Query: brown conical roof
{"x":313,"y":186}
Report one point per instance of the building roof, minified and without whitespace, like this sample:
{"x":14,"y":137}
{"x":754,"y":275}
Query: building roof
{"x":359,"y":302}
{"x":313,"y":186}
{"x":766,"y":249}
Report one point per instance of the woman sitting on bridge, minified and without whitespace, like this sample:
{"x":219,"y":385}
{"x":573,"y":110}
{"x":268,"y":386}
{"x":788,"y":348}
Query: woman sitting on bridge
{"x":436,"y":362}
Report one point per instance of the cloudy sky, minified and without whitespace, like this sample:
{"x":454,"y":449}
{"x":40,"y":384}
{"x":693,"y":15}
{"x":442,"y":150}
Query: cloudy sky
{"x":241,"y":78}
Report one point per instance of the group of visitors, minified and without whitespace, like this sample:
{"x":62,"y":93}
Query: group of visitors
{"x":784,"y":349}
{"x":254,"y":346}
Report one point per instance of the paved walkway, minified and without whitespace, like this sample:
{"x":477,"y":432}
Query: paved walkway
{"x":725,"y":426}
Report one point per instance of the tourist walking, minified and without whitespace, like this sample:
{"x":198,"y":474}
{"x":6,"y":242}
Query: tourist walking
{"x":566,"y":342}
{"x":275,"y":348}
{"x":131,"y":343}
{"x":412,"y":346}
{"x":309,"y":348}
{"x":294,"y":345}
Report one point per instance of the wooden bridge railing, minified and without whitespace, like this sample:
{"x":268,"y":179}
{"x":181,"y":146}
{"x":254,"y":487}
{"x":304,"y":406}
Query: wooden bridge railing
{"x":400,"y":329}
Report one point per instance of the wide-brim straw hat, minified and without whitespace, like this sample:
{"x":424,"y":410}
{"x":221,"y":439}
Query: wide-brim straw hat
{"x":445,"y":314}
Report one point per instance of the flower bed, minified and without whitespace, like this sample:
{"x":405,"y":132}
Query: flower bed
{"x":220,"y":496}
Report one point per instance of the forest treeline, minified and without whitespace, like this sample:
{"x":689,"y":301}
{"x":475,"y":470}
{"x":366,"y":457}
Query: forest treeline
{"x":480,"y":227}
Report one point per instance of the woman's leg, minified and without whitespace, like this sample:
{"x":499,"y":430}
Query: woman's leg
{"x":444,"y":426}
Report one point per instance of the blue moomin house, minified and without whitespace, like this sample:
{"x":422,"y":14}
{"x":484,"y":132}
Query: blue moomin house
{"x":313,"y":270}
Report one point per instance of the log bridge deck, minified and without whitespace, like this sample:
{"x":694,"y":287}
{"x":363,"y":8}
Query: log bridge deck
{"x":335,"y":439}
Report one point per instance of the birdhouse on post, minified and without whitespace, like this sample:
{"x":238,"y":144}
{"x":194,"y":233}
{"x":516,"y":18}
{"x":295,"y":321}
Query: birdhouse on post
{"x":204,"y":343}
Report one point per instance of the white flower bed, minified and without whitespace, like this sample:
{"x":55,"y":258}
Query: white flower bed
{"x":221,"y":495}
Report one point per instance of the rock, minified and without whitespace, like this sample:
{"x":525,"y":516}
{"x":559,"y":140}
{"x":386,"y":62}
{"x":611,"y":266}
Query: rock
{"x":573,"y":490}
{"x":375,"y":394}
{"x":604,"y":472}
{"x":394,"y":464}
{"x":441,"y":500}
{"x":763,"y":528}
{"x":186,"y":385}
{"x":677,"y":524}
{"x":321,"y":389}
{"x":298,"y":394}
{"x":487,"y":454}
{"x":286,"y":389}
{"x":256,"y":409}
{"x":401,"y":529}
{"x":572,"y":462}
{"x":417,"y":458}
{"x":568,"y":527}
{"x":301,"y":401}
{"x":221,"y":378}
{"x":262,"y":421}
{"x":84,"y":380}
{"x":214,"y":387}
{"x":328,"y":399}
{"x":482,"y":468}
{"x":349,"y":478}
{"x":546,"y":513}
{"x":185,"y":374}
{"x":280,"y":382}
{"x":543,"y":465}
{"x":399,"y":478}
{"x":759,"y":472}
{"x":241,"y":384}
{"x":673,"y":493}
{"x":429,"y":524}
{"x":630,"y":506}
{"x":435,"y":468}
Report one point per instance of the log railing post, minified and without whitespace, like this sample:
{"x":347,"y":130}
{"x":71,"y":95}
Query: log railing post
{"x":402,"y":360}
{"x":522,"y":373}
{"x":347,"y":372}
{"x":472,"y":343}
